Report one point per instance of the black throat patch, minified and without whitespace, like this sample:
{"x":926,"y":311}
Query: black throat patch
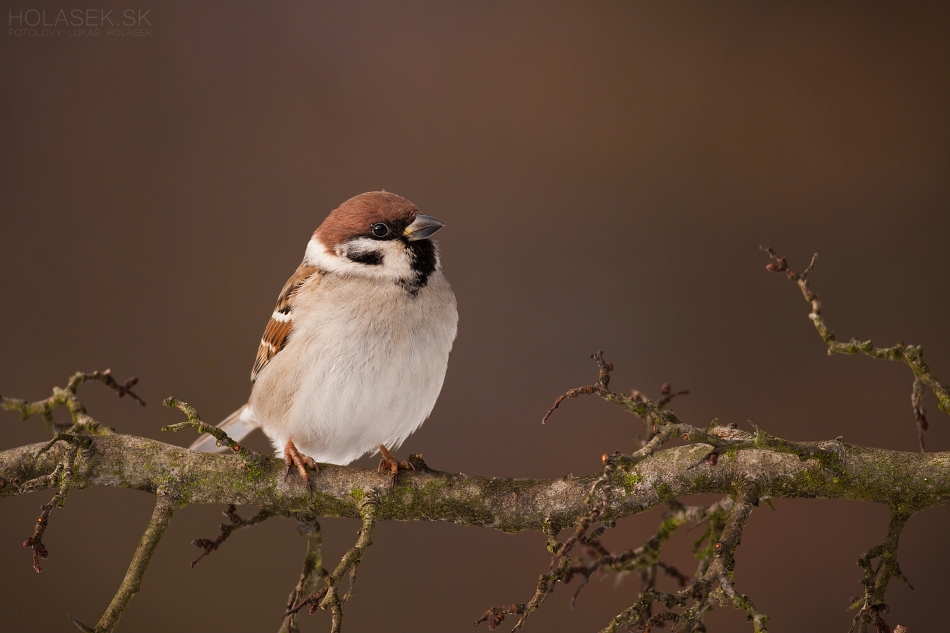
{"x":422,"y":260}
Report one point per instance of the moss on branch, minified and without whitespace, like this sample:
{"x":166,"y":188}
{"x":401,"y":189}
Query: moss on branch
{"x":834,"y":470}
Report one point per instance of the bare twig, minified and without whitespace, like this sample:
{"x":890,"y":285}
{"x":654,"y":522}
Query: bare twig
{"x":872,"y":605}
{"x":559,"y":564}
{"x":329,"y":598}
{"x":599,"y":387}
{"x":310,"y":576}
{"x":666,"y":425}
{"x":66,"y":397}
{"x":496,"y":615}
{"x":194,"y":422}
{"x":916,"y":396}
{"x":667,"y":394}
{"x":713,"y":582}
{"x":237,"y":523}
{"x":911,"y":355}
{"x":42,"y":521}
{"x":161,"y":517}
{"x":63,"y":471}
{"x":646,"y":559}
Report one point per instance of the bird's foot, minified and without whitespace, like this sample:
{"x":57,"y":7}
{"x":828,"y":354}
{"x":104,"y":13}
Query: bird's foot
{"x":391,"y":464}
{"x":293,"y":457}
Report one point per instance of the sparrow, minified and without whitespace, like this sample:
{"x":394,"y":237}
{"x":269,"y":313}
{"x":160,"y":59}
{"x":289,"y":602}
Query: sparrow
{"x":354,"y":355}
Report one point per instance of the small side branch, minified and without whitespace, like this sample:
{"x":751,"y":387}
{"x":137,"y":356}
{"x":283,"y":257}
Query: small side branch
{"x":725,"y":562}
{"x":636,"y":404}
{"x":66,"y":397}
{"x":666,"y":425}
{"x":496,"y":615}
{"x":920,"y":414}
{"x":64,"y":471}
{"x":161,"y":517}
{"x":237,"y":523}
{"x":42,"y":521}
{"x":329,"y":598}
{"x":713,"y":583}
{"x":871,"y":606}
{"x":558,"y":567}
{"x":645,"y":559}
{"x":310,"y":576}
{"x":911,"y":355}
{"x":194,"y":422}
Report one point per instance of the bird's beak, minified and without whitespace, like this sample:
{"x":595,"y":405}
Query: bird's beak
{"x":422,"y":227}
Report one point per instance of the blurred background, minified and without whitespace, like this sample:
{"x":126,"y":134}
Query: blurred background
{"x":606,"y":173}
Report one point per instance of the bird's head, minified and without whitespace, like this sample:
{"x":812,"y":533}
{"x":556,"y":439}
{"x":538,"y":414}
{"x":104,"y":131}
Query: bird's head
{"x":377,"y":234}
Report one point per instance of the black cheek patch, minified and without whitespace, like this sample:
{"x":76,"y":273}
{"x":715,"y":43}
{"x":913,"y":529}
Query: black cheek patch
{"x":370,"y":258}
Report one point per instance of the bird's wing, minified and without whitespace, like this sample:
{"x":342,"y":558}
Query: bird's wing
{"x":281,"y":321}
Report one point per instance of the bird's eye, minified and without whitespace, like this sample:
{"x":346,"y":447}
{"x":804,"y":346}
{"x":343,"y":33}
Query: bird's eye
{"x":380,"y":230}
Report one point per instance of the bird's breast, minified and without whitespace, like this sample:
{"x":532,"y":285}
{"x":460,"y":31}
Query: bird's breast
{"x":363,"y":365}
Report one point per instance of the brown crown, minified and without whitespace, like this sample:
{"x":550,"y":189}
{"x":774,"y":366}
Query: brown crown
{"x":354,"y":217}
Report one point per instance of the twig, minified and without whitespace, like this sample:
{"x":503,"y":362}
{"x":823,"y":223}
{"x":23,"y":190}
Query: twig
{"x":65,"y":470}
{"x":558,"y":566}
{"x":350,"y":561}
{"x":911,"y":355}
{"x":161,"y":517}
{"x":916,"y":397}
{"x":875,"y":580}
{"x":667,"y":394}
{"x":42,"y":521}
{"x":329,"y":598}
{"x":716,"y":561}
{"x":310,"y":575}
{"x":665,"y":425}
{"x":496,"y":615}
{"x":66,"y":397}
{"x":713,"y":581}
{"x":237,"y":523}
{"x":194,"y":421}
{"x":636,"y":404}
{"x":646,"y":559}
{"x":599,"y":387}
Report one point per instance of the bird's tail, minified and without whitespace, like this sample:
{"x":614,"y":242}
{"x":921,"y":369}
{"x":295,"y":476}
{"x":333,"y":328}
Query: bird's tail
{"x":236,"y":425}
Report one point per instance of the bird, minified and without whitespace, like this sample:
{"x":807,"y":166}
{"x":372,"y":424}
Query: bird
{"x":354,"y":355}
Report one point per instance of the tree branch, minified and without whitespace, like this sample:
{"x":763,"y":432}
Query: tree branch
{"x":329,"y":596}
{"x":310,"y":576}
{"x":872,"y":606}
{"x":911,"y":355}
{"x":830,"y":470}
{"x":81,"y":421}
{"x":161,"y":517}
{"x":237,"y":523}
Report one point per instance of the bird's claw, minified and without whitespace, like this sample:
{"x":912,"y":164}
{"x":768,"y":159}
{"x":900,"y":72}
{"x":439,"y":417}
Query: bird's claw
{"x":293,"y":458}
{"x":393,"y":465}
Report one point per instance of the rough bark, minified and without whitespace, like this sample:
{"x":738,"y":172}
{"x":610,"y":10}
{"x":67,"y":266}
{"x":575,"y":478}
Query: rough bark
{"x":834,"y":470}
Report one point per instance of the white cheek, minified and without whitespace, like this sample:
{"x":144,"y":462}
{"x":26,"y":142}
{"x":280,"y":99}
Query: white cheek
{"x":395,"y":264}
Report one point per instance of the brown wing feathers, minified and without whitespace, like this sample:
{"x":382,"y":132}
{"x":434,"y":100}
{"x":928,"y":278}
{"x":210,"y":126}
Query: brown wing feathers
{"x":280,"y":324}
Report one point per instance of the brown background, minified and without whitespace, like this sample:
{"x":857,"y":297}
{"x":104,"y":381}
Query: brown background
{"x":606,"y":174}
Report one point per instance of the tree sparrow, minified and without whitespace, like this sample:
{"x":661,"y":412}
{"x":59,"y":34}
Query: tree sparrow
{"x":354,"y":355}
